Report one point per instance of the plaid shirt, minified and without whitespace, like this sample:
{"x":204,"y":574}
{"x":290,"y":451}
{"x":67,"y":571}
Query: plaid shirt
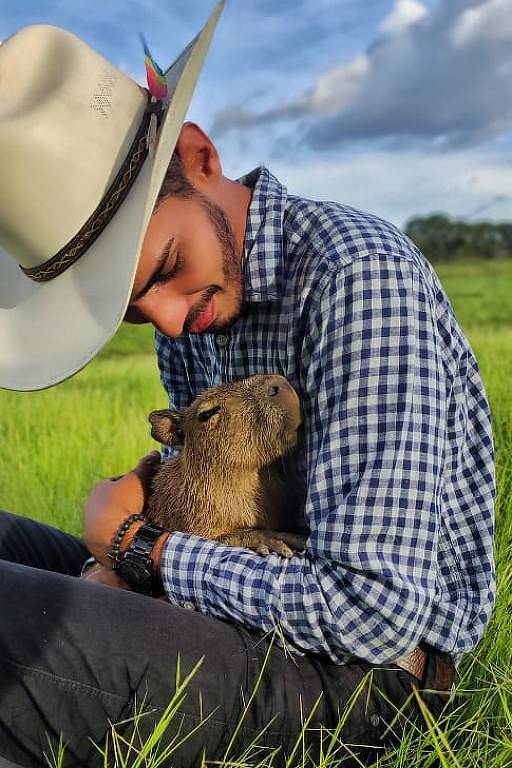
{"x":396,"y":464}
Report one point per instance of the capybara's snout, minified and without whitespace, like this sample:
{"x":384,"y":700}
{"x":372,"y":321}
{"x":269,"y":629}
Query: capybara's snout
{"x":280,"y":391}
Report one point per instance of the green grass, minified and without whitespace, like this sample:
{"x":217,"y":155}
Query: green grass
{"x":129,"y":340}
{"x":56,"y":444}
{"x":480,"y":292}
{"x":60,"y":441}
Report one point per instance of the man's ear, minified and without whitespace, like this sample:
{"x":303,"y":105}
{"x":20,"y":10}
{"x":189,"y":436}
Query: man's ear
{"x":166,"y":427}
{"x":198,"y":156}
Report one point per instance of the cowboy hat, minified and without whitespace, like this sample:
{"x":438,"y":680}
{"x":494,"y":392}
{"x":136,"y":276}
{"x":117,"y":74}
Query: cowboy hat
{"x":84,"y":152}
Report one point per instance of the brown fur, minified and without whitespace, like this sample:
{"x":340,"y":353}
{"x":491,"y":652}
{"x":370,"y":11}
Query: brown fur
{"x":222,"y":485}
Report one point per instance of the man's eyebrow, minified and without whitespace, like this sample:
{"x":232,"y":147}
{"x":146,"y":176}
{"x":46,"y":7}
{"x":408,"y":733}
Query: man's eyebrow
{"x":156,"y":272}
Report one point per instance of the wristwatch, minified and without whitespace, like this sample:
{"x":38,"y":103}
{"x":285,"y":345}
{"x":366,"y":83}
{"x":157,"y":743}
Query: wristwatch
{"x":135,"y":565}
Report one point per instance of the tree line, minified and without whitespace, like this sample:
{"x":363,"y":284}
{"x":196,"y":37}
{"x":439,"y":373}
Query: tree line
{"x":441,"y":238}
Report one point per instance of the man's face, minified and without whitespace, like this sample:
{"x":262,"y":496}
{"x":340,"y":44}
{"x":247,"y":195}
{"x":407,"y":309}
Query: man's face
{"x":189,"y":275}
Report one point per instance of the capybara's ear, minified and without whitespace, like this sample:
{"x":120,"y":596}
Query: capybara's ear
{"x":166,"y":427}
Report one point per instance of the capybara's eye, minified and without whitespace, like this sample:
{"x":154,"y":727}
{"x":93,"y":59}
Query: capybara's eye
{"x":205,"y":415}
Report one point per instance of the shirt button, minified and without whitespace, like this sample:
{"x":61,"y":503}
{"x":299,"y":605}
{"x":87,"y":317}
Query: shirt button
{"x":222,"y":340}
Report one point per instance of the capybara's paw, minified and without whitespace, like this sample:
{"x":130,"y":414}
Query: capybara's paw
{"x":264,"y":542}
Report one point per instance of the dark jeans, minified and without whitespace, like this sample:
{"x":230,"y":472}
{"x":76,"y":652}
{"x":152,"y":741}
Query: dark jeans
{"x":76,"y":656}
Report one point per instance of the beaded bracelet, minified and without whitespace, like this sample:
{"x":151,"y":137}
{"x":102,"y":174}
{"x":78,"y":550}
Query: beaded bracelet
{"x":116,"y":545}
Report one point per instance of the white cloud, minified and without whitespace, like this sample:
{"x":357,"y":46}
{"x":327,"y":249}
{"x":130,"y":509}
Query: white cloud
{"x":337,"y":88}
{"x":490,"y":21}
{"x":399,"y":185}
{"x":412,"y":84}
{"x":405,"y":13}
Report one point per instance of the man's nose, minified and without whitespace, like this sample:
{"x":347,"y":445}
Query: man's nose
{"x":167,"y":311}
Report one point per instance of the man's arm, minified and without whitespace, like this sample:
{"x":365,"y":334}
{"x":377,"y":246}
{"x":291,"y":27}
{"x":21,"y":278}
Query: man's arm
{"x":374,"y":406}
{"x":109,"y":504}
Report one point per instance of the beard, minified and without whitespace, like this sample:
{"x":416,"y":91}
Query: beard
{"x":231,"y":268}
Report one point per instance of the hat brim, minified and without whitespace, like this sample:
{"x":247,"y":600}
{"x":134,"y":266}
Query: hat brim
{"x":49,"y":331}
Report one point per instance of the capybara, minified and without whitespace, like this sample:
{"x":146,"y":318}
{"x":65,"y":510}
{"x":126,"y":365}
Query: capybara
{"x":223,"y":485}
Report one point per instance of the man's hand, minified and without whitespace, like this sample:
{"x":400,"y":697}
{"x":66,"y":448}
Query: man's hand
{"x":112,"y":501}
{"x":101,"y":575}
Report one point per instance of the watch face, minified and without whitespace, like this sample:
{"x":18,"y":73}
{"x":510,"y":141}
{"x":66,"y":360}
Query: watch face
{"x":135,"y":573}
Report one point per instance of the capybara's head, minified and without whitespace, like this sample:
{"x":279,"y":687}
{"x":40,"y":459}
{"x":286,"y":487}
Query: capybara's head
{"x":250,"y":422}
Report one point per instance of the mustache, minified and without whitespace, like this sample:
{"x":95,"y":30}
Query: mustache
{"x":200,"y":307}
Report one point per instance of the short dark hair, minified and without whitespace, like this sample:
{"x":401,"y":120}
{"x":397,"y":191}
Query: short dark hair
{"x":175,"y":183}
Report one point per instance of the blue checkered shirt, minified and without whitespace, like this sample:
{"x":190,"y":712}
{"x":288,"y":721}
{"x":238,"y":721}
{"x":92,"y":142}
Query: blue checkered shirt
{"x":396,"y":464}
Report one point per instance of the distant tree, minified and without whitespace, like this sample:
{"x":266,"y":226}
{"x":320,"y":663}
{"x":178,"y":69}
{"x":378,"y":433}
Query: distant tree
{"x":441,"y":238}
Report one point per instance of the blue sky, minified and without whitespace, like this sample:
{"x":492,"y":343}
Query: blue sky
{"x":400,"y":107}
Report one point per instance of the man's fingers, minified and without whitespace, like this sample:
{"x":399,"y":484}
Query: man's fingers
{"x":146,"y":469}
{"x":148,"y":463}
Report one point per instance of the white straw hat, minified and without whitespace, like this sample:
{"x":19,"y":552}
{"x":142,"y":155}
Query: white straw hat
{"x":77,"y":188}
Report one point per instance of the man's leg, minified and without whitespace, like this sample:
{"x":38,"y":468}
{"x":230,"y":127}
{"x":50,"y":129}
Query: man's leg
{"x":75,"y":656}
{"x":28,"y":542}
{"x":8,"y":764}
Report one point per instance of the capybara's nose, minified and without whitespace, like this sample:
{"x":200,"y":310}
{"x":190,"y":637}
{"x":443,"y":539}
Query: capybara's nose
{"x":278,"y":388}
{"x":276,"y":385}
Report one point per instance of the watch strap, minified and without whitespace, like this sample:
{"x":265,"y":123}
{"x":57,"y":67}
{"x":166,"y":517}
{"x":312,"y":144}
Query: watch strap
{"x":138,"y":554}
{"x":145,"y":539}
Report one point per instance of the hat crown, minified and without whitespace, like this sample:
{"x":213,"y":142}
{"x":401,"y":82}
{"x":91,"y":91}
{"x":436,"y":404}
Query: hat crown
{"x":66,"y":124}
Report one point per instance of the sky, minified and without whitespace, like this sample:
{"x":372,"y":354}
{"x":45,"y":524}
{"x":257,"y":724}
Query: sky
{"x":397,"y":107}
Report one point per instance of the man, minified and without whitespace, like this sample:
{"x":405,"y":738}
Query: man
{"x":394,"y":477}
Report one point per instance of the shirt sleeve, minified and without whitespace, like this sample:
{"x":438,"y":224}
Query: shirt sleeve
{"x":374,"y":406}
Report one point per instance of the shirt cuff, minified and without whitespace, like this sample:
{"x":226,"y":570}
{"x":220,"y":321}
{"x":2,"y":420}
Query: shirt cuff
{"x":183,"y":567}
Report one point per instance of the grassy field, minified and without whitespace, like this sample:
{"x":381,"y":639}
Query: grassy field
{"x":57,"y":443}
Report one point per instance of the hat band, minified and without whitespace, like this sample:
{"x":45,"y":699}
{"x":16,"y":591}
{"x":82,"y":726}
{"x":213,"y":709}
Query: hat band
{"x":109,"y":205}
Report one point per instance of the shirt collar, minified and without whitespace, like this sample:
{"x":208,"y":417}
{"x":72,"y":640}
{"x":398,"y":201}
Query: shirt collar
{"x":263,"y":245}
